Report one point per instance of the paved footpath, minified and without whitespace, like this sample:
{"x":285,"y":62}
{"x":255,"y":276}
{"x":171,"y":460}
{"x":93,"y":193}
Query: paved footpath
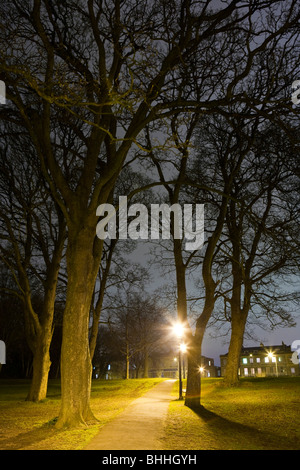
{"x":140,"y":426}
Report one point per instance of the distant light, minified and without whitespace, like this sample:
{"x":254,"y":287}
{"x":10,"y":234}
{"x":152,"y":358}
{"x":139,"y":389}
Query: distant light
{"x":201,"y":369}
{"x":183,"y":347}
{"x":178,"y":329}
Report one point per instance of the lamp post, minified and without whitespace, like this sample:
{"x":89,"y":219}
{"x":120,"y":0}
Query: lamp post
{"x":182,"y":350}
{"x":179,"y":330}
{"x":180,"y":377}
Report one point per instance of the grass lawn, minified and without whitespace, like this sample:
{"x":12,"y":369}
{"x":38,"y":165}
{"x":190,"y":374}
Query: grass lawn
{"x":29,"y":426}
{"x":259,"y":414}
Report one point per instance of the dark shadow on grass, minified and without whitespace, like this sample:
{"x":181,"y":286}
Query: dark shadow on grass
{"x":241,"y":436}
{"x":27,"y":439}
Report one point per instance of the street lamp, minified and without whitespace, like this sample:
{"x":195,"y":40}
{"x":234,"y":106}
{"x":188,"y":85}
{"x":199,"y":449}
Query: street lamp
{"x":179,"y":332}
{"x":178,"y":329}
{"x":183,"y":350}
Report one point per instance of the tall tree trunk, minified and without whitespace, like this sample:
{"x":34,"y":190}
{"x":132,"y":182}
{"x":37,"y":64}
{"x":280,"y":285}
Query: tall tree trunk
{"x":193,"y":384}
{"x":194,"y":342}
{"x":193,"y":389}
{"x":76,"y":366}
{"x":127,"y":352}
{"x":40,"y":331}
{"x":127,"y":366}
{"x":41,"y":366}
{"x":238,"y":320}
{"x":39,"y":335}
{"x":146,"y":363}
{"x":98,"y":309}
{"x":238,"y":324}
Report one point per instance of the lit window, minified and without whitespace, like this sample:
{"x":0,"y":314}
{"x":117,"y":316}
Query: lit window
{"x":273,"y":358}
{"x":245,"y":370}
{"x":293,"y":370}
{"x":244,"y":360}
{"x":258,"y":359}
{"x":266,"y":360}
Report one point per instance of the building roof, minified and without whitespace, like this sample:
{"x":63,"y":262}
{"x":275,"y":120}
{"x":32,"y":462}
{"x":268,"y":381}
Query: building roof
{"x":282,"y":348}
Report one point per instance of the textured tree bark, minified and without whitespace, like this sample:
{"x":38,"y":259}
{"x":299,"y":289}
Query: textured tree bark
{"x":238,"y":317}
{"x":40,"y":331}
{"x":98,"y":309}
{"x":76,"y":366}
{"x":146,"y":363}
{"x":41,"y":367}
{"x":236,"y":342}
{"x":193,"y":389}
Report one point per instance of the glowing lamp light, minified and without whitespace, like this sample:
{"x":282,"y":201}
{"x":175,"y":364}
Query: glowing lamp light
{"x":178,"y":329}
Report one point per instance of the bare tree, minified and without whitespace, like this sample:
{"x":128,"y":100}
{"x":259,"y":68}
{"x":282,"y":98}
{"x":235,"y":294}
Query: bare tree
{"x":32,"y":240}
{"x":260,"y":241}
{"x":114,"y":267}
{"x":94,"y":74}
{"x":139,"y":326}
{"x":198,"y":181}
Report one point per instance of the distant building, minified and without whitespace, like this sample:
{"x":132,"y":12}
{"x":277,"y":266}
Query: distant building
{"x":208,"y":368}
{"x":160,"y":365}
{"x":264,"y":361}
{"x":167,"y":366}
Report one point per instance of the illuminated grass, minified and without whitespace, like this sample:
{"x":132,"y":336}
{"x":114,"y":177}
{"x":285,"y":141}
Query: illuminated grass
{"x":259,"y":414}
{"x":27,"y":425}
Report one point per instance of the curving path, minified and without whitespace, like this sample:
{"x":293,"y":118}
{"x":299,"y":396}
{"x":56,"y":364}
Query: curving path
{"x":140,"y":426}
